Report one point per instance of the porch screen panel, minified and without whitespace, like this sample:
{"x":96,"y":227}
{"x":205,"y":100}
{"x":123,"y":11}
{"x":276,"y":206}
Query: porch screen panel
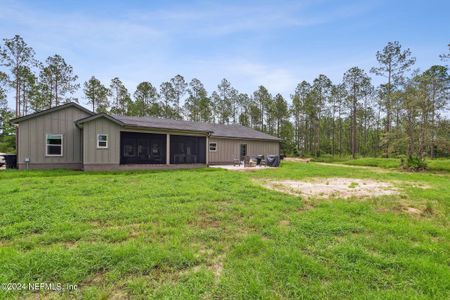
{"x":142,"y":148}
{"x":187,"y":149}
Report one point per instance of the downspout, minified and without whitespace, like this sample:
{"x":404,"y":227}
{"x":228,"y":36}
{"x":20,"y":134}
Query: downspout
{"x":167,"y":149}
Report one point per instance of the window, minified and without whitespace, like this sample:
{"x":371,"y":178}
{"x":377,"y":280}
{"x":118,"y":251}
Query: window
{"x":213,"y":147}
{"x":54,"y":145}
{"x":102,"y":141}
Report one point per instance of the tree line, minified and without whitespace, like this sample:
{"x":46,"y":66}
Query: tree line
{"x":406,"y":114}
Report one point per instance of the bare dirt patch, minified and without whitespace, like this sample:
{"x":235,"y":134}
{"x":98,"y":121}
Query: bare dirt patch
{"x":333,"y":187}
{"x":284,"y":223}
{"x":418,"y":210}
{"x":298,"y":159}
{"x":373,"y":169}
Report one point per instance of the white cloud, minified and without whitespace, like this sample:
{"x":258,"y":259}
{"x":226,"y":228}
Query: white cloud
{"x":145,"y":45}
{"x":216,"y":19}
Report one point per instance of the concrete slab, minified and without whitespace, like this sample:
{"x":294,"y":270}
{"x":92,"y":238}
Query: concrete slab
{"x":240,"y":168}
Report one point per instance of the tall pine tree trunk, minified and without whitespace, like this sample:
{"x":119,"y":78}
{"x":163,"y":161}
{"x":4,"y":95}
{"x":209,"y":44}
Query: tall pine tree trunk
{"x":388,"y":114}
{"x":318,"y":137}
{"x":354,"y":128}
{"x":17,"y":93}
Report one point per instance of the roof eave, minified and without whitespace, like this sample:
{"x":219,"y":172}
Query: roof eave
{"x":274,"y":139}
{"x":134,"y":126}
{"x":80,"y":122}
{"x":49,"y":110}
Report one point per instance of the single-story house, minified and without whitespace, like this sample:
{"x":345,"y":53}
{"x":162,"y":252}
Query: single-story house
{"x":70,"y":136}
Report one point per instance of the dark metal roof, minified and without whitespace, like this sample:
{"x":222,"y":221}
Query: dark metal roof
{"x":53,"y":109}
{"x":99,"y":115}
{"x":216,"y":130}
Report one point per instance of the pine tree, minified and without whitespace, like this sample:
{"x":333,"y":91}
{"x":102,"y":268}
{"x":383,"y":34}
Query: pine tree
{"x":322,"y":89}
{"x":358,"y":86}
{"x":298,"y":110}
{"x":146,"y":101}
{"x":198,"y":105}
{"x":119,"y":97}
{"x":281,"y":112}
{"x":15,"y":55}
{"x":97,"y":95}
{"x":222,"y":99}
{"x":59,"y":81}
{"x":244,"y":105}
{"x":169,"y":96}
{"x":393,"y":63}
{"x":262,"y":98}
{"x":179,"y":88}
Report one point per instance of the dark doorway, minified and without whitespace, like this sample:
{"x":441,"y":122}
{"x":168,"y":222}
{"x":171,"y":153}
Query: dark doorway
{"x":187,"y":149}
{"x":243,"y":151}
{"x":142,"y":148}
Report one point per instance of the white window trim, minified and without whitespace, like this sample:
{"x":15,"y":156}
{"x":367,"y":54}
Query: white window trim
{"x":46,"y":145}
{"x":209,"y":147}
{"x":107,"y":141}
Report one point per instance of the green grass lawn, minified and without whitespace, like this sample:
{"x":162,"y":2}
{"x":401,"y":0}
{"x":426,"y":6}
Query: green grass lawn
{"x":217,"y":234}
{"x":440,"y":165}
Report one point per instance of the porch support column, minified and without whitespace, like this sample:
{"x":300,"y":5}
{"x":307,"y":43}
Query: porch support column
{"x":168,"y":149}
{"x":207,"y":150}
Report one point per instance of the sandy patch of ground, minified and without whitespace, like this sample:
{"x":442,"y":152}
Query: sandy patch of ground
{"x":333,"y":187}
{"x":298,"y":159}
{"x":374,"y":169}
{"x":419,"y":210}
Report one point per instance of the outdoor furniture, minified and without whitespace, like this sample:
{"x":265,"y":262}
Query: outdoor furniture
{"x":236,"y":162}
{"x":249,"y":161}
{"x":10,"y":161}
{"x":273,"y":160}
{"x":191,"y":158}
{"x":246,"y":161}
{"x":263,"y":161}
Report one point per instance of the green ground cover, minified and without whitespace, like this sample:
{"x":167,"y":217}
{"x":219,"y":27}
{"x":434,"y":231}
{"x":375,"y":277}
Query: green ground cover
{"x":433,"y":164}
{"x":217,"y":234}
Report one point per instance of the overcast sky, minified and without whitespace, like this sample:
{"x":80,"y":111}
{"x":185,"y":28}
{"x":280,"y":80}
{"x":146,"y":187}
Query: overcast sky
{"x":273,"y":43}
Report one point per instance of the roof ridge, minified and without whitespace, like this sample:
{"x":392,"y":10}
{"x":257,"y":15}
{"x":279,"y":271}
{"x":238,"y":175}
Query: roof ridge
{"x":160,"y":118}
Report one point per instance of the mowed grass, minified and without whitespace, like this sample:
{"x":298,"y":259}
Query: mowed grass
{"x":441,"y":165}
{"x":216,"y":234}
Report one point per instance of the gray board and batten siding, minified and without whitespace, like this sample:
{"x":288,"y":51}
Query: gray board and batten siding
{"x":32,"y":139}
{"x":80,"y":128}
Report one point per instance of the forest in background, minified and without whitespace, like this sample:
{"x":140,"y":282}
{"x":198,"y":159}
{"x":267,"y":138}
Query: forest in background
{"x":407,"y":114}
